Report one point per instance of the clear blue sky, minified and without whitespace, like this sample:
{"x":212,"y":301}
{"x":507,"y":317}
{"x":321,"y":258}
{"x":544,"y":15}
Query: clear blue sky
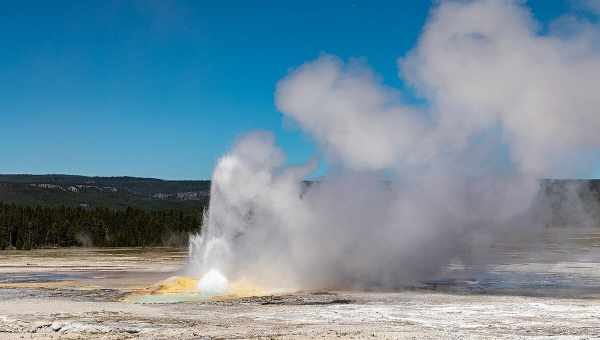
{"x":163,"y":88}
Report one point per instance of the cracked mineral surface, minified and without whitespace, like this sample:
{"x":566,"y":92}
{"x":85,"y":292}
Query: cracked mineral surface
{"x":549,"y":290}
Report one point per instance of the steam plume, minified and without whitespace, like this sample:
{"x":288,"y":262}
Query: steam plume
{"x":507,"y":105}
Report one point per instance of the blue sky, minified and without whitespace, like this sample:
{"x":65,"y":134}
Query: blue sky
{"x":162,"y":88}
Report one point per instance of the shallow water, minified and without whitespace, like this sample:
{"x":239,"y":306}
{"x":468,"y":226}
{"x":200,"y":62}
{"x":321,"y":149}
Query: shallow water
{"x":561,"y":262}
{"x":101,"y":268}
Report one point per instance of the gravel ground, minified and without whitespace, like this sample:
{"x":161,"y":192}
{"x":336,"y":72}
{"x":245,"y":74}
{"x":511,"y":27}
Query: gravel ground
{"x":87,"y":298}
{"x":404,"y":315}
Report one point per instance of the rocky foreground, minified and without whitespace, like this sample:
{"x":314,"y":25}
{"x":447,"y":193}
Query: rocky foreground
{"x":324,"y":315}
{"x":82,"y":294}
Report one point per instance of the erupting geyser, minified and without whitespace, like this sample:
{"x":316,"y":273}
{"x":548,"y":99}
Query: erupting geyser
{"x":213,"y":283}
{"x":506,"y":105}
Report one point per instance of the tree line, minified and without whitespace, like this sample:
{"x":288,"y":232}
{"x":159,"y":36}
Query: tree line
{"x":28,"y":227}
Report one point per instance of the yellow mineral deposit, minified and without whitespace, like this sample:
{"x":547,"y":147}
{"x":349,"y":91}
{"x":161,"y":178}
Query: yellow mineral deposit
{"x":244,"y":288}
{"x":177,"y":284}
{"x":212,"y":285}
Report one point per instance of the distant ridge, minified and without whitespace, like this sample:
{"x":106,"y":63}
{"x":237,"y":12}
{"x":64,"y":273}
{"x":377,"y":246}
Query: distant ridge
{"x":117,"y":192}
{"x":565,"y":199}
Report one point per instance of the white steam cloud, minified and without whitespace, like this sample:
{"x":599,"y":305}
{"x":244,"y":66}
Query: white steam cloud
{"x":507,"y":103}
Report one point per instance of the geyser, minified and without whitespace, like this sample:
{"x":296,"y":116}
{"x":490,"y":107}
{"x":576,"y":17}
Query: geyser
{"x":213,"y":283}
{"x":506,"y":105}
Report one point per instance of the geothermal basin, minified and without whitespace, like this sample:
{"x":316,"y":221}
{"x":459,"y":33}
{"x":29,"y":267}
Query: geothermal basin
{"x":517,"y":288}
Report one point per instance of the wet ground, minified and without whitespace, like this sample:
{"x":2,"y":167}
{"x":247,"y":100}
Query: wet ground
{"x":541,"y":286}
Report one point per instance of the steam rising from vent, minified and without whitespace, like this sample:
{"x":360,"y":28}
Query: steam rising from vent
{"x":506,"y":105}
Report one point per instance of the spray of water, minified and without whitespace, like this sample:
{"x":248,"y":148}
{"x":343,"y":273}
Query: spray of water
{"x":506,"y":105}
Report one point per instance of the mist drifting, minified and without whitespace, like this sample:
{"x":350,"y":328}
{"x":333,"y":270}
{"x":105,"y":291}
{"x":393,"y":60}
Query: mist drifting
{"x":507,"y":103}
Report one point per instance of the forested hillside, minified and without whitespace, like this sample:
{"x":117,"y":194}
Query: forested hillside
{"x":62,"y":210}
{"x":103,"y":192}
{"x":26,"y":227}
